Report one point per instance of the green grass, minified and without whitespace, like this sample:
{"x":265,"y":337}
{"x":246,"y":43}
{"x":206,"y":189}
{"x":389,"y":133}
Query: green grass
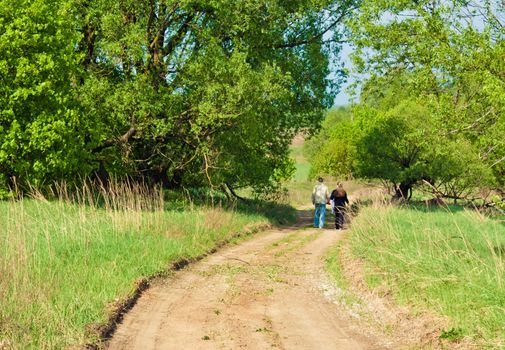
{"x":302,"y":165}
{"x":450,"y":262}
{"x":302,"y":172}
{"x":64,"y":265}
{"x":333,"y":266}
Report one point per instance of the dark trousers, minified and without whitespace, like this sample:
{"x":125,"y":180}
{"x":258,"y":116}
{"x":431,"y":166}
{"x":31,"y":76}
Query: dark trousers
{"x":339,"y":217}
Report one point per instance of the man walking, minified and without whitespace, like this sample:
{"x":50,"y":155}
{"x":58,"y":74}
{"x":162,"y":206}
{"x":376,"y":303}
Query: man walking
{"x":320,"y":198}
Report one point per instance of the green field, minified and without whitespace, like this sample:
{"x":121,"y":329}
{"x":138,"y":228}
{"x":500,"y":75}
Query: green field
{"x":64,"y":266}
{"x":451,"y":262}
{"x":302,"y":165}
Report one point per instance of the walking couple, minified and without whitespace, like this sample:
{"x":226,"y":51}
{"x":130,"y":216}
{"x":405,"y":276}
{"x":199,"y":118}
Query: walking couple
{"x":337,"y":199}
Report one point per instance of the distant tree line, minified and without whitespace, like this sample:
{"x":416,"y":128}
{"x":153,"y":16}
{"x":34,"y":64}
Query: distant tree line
{"x":175,"y":92}
{"x":432,"y":107}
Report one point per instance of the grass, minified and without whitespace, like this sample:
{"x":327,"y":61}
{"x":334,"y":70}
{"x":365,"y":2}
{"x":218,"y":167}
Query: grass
{"x":291,"y":243}
{"x":65,"y":263}
{"x":302,"y":165}
{"x":448,"y":261}
{"x":333,"y":266}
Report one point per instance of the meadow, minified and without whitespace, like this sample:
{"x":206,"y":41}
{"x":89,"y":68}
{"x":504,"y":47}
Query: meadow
{"x":450,"y":261}
{"x":66,"y":264}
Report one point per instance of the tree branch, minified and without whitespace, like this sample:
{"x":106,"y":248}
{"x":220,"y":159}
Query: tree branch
{"x":471,"y":126}
{"x":232,"y":191}
{"x":497,"y":162}
{"x":316,"y":37}
{"x":178,"y":36}
{"x":116,"y":141}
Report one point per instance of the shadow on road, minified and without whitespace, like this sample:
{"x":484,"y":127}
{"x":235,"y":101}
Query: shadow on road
{"x":305,"y":218}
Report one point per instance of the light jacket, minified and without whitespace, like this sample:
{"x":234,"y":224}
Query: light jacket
{"x":320,"y":194}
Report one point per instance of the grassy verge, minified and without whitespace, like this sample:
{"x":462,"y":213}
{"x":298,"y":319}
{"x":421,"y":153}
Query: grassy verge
{"x":63,"y":264}
{"x":451,"y":262}
{"x":345,"y":296}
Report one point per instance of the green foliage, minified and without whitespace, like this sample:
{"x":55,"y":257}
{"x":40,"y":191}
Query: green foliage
{"x":403,"y":144}
{"x":331,"y":151}
{"x":41,"y":132}
{"x":454,"y":66}
{"x":433,"y":100}
{"x":183,"y":93}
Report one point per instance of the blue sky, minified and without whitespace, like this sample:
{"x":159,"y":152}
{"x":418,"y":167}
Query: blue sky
{"x":343,"y":97}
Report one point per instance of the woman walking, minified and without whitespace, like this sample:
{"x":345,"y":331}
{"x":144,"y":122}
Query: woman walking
{"x":339,"y":200}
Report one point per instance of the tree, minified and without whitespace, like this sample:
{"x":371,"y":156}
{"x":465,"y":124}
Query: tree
{"x":41,"y":134}
{"x":332,"y":150}
{"x":405,"y":146}
{"x":224,"y":85}
{"x":184,"y":93}
{"x":399,"y":139}
{"x":433,"y":100}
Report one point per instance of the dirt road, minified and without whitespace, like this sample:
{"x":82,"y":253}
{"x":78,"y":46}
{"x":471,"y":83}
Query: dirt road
{"x":268,"y":292}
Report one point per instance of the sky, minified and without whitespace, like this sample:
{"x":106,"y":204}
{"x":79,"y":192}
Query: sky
{"x":343,"y":97}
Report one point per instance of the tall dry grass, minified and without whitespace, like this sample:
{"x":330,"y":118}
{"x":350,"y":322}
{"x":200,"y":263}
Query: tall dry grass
{"x":65,"y":256}
{"x":448,"y":260}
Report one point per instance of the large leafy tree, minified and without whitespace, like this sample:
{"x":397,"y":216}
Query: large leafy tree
{"x":434,"y":94}
{"x":189,"y":92}
{"x":400,"y":143}
{"x":41,"y":135}
{"x":184,"y":92}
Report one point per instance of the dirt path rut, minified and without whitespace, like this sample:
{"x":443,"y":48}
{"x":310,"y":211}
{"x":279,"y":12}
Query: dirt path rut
{"x":268,"y":292}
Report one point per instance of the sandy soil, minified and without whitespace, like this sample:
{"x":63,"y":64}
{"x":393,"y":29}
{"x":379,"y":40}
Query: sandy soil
{"x":268,"y":292}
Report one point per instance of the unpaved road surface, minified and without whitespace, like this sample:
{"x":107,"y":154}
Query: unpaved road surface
{"x":265,"y":293}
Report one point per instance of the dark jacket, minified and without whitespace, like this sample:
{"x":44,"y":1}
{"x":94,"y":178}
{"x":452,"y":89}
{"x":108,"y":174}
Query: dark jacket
{"x":339,"y":199}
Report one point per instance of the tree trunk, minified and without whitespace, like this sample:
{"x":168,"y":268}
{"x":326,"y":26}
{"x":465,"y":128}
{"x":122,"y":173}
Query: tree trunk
{"x":159,"y":175}
{"x":403,"y":191}
{"x":176,"y":180}
{"x":102,"y":176}
{"x":225,"y":191}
